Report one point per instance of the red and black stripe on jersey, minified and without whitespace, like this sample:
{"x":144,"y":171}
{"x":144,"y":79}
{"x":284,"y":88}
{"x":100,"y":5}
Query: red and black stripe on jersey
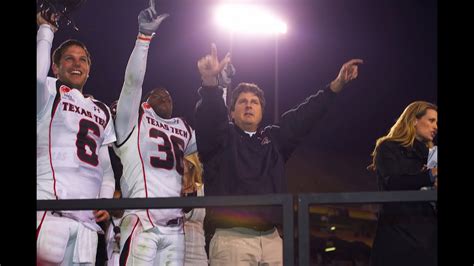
{"x":57,"y":97}
{"x":140,"y":114}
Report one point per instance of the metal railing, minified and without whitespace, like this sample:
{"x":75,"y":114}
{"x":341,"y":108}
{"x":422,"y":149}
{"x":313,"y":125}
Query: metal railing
{"x":304,"y":200}
{"x":284,"y":200}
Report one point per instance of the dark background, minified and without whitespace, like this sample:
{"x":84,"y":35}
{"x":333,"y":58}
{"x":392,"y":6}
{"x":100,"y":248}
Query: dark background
{"x":397,"y":39}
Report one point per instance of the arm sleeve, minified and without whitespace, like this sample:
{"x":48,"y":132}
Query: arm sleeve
{"x":191,"y":147}
{"x":393,"y":174}
{"x":44,"y":40}
{"x":108,"y":181}
{"x":130,"y":96}
{"x":211,"y":122}
{"x":109,"y":132}
{"x":298,"y":122}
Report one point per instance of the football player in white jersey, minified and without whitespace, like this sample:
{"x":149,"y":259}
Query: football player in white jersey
{"x":72,"y":157}
{"x":151,"y":145}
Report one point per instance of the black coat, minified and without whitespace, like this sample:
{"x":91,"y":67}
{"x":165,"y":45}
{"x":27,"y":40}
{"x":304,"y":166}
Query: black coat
{"x":406,"y":232}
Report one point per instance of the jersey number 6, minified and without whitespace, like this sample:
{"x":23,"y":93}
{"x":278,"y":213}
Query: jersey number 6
{"x":84,"y":140}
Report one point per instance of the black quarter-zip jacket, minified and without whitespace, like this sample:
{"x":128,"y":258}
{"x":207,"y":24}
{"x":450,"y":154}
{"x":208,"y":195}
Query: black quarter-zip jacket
{"x":237,"y":164}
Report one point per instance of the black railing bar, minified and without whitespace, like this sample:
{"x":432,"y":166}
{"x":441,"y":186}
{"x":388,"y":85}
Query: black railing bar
{"x":288,"y":230}
{"x":162,"y":203}
{"x":370,"y":197}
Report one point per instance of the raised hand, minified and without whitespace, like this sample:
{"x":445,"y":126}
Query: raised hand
{"x":40,"y":19}
{"x":149,"y":21}
{"x":348,"y":72}
{"x":209,"y":66}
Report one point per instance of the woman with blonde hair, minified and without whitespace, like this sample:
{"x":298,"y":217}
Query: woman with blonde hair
{"x":195,"y":242}
{"x":406,"y":232}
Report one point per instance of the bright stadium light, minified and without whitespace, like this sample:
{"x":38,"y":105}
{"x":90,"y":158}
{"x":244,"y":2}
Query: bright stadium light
{"x":254,"y":19}
{"x":248,"y":18}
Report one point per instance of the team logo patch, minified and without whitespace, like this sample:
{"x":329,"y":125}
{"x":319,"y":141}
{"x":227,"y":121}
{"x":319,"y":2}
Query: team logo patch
{"x":146,"y":105}
{"x":97,"y":109}
{"x":64,"y":89}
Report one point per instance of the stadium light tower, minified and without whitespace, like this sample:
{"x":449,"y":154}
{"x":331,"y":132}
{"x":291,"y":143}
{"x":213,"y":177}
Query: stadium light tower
{"x":252,"y":19}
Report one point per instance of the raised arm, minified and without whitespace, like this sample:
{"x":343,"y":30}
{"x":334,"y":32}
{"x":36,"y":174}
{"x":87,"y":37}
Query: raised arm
{"x":130,"y":96}
{"x":209,"y":67}
{"x":211,"y":112}
{"x":297,"y":122}
{"x":44,"y":40}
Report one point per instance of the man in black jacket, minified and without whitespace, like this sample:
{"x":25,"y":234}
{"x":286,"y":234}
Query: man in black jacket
{"x":243,"y":158}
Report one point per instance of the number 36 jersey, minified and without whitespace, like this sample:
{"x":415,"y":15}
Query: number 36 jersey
{"x":152,"y":158}
{"x":70,"y":131}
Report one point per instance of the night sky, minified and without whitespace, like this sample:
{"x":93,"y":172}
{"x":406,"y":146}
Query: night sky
{"x":397,"y":39}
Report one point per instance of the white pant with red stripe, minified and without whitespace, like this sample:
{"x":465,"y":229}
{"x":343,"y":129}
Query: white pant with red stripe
{"x":156,"y":246}
{"x":63,"y":241}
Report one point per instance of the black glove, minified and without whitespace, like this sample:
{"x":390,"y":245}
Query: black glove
{"x":149,"y":21}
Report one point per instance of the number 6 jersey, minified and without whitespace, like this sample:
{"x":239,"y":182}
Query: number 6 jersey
{"x":70,"y":131}
{"x":152,"y":158}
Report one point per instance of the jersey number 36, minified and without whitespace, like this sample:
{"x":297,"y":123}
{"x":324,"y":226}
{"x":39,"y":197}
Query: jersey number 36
{"x":170,"y":144}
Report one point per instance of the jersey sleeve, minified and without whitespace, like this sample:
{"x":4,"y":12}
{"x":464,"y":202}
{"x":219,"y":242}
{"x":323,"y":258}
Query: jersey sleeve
{"x":191,"y":147}
{"x":44,"y":40}
{"x":107,"y":187}
{"x":109,"y":133}
{"x":130,"y":96}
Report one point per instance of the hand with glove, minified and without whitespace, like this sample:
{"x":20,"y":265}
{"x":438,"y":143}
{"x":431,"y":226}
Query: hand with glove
{"x":149,"y":21}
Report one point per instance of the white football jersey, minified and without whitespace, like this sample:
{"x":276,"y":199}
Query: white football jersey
{"x":70,"y":131}
{"x":152,"y":158}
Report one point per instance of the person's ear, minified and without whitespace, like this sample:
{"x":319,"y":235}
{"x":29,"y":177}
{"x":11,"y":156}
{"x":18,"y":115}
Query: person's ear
{"x":55,"y":69}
